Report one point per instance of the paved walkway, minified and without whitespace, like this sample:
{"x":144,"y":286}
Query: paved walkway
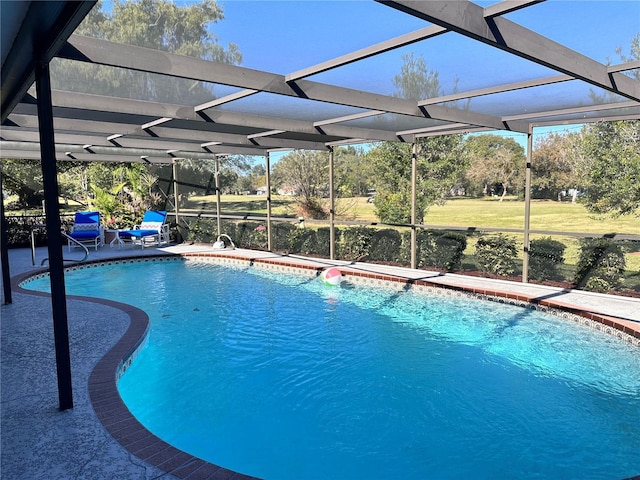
{"x":39,"y":441}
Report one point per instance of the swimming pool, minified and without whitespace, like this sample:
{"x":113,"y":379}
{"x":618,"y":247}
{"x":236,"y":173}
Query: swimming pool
{"x":281,"y":377}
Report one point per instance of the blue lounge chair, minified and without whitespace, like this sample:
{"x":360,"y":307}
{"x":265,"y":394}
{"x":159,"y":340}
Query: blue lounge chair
{"x":153,"y":230}
{"x":87,"y":229}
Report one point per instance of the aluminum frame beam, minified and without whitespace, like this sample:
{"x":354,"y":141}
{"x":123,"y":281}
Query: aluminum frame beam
{"x":97,"y":108}
{"x":520,"y":85}
{"x":102,"y":52}
{"x":367,"y":52}
{"x":471,"y":20}
{"x":82,"y":119}
{"x":104,"y":150}
{"x":196,"y":132}
{"x":43,"y":28}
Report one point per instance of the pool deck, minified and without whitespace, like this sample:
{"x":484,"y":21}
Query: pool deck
{"x":86,"y":442}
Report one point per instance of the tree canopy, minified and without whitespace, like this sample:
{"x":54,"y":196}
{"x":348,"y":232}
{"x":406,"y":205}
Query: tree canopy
{"x":495,"y":160}
{"x":159,"y":24}
{"x":415,"y":81}
{"x":305,"y":175}
{"x":611,"y":170}
{"x":440,"y":163}
{"x":554,"y":169}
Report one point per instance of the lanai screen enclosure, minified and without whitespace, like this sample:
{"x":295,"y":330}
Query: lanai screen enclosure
{"x":316,"y":84}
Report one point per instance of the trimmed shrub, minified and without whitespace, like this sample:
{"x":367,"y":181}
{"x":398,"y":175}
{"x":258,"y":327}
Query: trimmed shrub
{"x":385,"y":246}
{"x":448,"y":249}
{"x":354,"y":243}
{"x":545,"y":255}
{"x":201,"y":230}
{"x":321,"y":245}
{"x":497,"y":254}
{"x":205,"y":230}
{"x":19,"y":229}
{"x":424,"y":247}
{"x":281,"y":234}
{"x":302,"y":241}
{"x":601,"y":265}
{"x":440,"y":249}
{"x":228,"y":227}
{"x":251,"y":235}
{"x":404,"y":255}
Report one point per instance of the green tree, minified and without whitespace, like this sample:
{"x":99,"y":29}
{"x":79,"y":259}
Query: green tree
{"x":353,"y":172}
{"x":73,"y":181}
{"x":611,"y":171}
{"x":439,"y":159}
{"x":109,"y":204}
{"x":554,"y":166}
{"x":415,"y":81}
{"x":495,"y":159}
{"x":306,"y":174}
{"x":24,"y":179}
{"x":633,"y":55}
{"x":158,"y":24}
{"x":440,"y":163}
{"x":141,"y":187}
{"x":251,"y":178}
{"x":246,"y":184}
{"x":611,"y":166}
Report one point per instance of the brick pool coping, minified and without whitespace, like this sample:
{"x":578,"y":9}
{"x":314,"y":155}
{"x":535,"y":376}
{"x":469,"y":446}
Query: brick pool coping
{"x":135,"y":438}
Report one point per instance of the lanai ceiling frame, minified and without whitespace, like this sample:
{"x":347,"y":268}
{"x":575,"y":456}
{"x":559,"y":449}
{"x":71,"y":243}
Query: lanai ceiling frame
{"x":114,"y":55}
{"x":257,"y":134}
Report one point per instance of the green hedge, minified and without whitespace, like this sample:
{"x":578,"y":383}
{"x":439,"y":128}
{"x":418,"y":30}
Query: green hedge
{"x":436,"y":249}
{"x":497,"y":254}
{"x":353,"y":243}
{"x":19,"y":229}
{"x":545,"y":256}
{"x":442,"y":250}
{"x":385,"y":245}
{"x":601,"y":265}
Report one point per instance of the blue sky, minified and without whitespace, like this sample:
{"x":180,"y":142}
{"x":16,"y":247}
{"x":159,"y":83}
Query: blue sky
{"x":275,"y":35}
{"x":285,"y":36}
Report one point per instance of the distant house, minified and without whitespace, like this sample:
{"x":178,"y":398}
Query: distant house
{"x":261,"y":191}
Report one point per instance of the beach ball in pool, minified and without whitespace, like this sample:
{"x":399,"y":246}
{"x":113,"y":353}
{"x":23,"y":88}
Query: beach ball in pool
{"x":331,"y":276}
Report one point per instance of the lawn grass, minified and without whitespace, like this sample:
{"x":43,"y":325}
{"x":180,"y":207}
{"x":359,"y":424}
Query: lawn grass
{"x":281,"y":206}
{"x":458,"y":212}
{"x":545,"y":215}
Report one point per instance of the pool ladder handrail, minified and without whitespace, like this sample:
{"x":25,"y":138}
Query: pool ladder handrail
{"x":45,"y":260}
{"x":219,"y":242}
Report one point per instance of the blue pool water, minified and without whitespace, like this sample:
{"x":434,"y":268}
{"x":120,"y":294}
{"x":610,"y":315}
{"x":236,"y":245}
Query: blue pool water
{"x":282,"y":377}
